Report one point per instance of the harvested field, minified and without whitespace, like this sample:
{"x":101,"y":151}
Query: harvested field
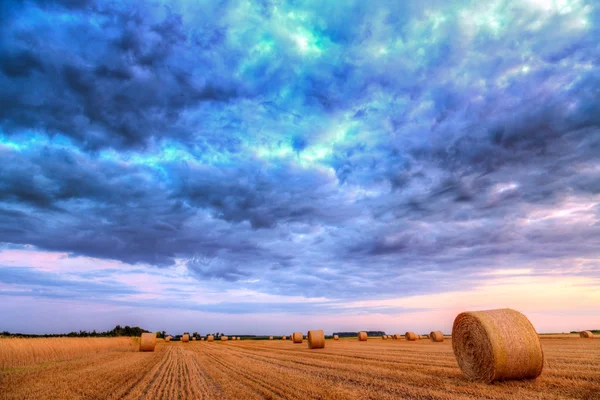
{"x":344,"y":369}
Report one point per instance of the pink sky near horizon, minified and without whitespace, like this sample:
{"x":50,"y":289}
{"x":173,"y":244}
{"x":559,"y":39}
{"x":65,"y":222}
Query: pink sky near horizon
{"x":553,"y":303}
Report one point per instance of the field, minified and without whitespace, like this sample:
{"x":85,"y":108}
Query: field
{"x":103,"y":368}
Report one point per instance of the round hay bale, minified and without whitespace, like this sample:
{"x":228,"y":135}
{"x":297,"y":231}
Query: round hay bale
{"x":362,"y":336}
{"x":397,"y":336}
{"x":185,"y":338}
{"x":233,"y":338}
{"x":586,"y":335}
{"x":238,"y":338}
{"x":224,"y":338}
{"x":496,"y":345}
{"x":436,"y":336}
{"x":168,"y":339}
{"x":336,"y":337}
{"x":411,"y":336}
{"x":202,"y":339}
{"x":194,"y":339}
{"x":384,"y":337}
{"x":270,"y":337}
{"x":148,"y":342}
{"x":283,"y":338}
{"x":316,"y":339}
{"x":210,"y":338}
{"x":297,"y":337}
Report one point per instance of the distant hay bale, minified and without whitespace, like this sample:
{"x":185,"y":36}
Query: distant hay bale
{"x":168,"y":339}
{"x":270,"y":337}
{"x":397,"y":336}
{"x":436,"y":336}
{"x":202,"y":339}
{"x":283,"y":338}
{"x":316,"y":339}
{"x":238,"y":338}
{"x":233,"y":338}
{"x":185,"y":338}
{"x":411,"y":336}
{"x":148,"y":342}
{"x":210,"y":338}
{"x":384,"y":337}
{"x":586,"y":335}
{"x":193,"y":338}
{"x":297,"y":337}
{"x":336,"y":337}
{"x":362,"y":336}
{"x":224,"y":338}
{"x":496,"y":345}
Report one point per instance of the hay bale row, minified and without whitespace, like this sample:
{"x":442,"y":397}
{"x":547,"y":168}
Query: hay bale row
{"x":148,"y":342}
{"x":586,"y":335}
{"x":362,"y":336}
{"x":496,"y":345}
{"x":316,"y":339}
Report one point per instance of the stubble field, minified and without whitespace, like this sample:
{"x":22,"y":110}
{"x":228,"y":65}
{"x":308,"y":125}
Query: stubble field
{"x":106,"y":368}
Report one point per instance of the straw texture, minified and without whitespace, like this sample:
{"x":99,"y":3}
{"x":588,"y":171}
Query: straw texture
{"x":316,"y":339}
{"x":411,"y":336}
{"x":436,"y":336}
{"x":185,"y":338}
{"x":586,"y":335}
{"x":297,"y":337}
{"x":496,"y":345}
{"x":148,"y":342}
{"x":362,"y":336}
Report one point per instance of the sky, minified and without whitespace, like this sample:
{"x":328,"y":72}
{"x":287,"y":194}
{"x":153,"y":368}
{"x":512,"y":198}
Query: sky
{"x":263,"y":167}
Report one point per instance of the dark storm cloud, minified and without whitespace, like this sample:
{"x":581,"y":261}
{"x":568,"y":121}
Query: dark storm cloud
{"x":309,"y":148}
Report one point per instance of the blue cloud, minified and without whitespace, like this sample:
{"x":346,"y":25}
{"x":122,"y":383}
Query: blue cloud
{"x":316,"y":148}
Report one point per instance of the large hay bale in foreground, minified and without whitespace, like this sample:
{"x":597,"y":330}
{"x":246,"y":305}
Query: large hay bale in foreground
{"x":210,"y":338}
{"x":436,"y":336}
{"x":411,"y":336}
{"x":224,"y":338}
{"x":336,"y":337}
{"x":148,"y":342}
{"x":362,"y":336}
{"x":497,"y":345}
{"x":316,"y":339}
{"x":586,"y":335}
{"x":185,"y":338}
{"x":297,"y":337}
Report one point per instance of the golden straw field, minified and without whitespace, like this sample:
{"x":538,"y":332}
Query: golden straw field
{"x":113,"y":368}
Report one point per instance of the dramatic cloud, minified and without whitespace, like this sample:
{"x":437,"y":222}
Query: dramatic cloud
{"x":369,"y":151}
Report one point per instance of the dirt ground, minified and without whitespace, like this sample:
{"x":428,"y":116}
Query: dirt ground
{"x":346,"y":369}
